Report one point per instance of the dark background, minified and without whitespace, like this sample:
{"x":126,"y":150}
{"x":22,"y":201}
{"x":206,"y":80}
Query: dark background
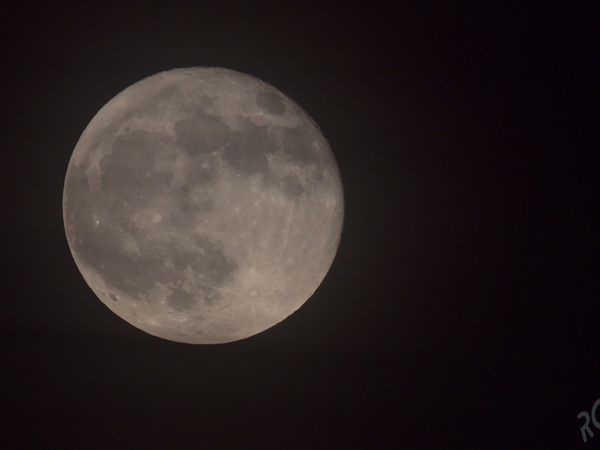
{"x":462,"y":308}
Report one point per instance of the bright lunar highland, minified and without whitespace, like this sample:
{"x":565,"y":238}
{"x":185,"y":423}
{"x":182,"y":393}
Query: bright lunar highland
{"x":203,"y":205}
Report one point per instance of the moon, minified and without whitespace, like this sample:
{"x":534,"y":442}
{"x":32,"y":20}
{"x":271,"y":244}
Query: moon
{"x":203,"y":205}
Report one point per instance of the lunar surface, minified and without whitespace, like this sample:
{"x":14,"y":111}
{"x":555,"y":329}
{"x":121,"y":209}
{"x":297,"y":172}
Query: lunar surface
{"x":203,"y":205}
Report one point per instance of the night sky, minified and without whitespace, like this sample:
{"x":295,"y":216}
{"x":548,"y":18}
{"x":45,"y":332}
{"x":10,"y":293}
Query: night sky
{"x":462,"y":308}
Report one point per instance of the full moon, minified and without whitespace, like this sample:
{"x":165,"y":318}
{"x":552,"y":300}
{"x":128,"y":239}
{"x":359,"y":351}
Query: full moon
{"x":203,"y":205}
